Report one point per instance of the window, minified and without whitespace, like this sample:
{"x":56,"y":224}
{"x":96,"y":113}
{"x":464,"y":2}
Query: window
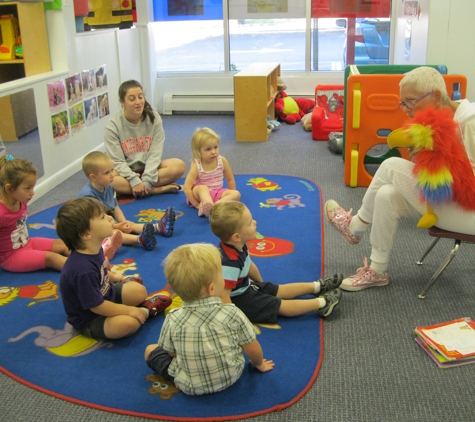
{"x":226,"y":36}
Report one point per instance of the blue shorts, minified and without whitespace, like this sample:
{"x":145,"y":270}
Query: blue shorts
{"x":259,"y":302}
{"x":159,"y":360}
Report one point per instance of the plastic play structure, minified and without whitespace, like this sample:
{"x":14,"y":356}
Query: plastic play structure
{"x":372,"y":113}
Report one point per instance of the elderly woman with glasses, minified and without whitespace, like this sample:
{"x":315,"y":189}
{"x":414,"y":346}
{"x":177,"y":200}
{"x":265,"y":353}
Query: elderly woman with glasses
{"x":392,"y":193}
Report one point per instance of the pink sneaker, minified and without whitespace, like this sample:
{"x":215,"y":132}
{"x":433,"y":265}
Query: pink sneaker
{"x":365,"y":277}
{"x":204,"y":209}
{"x":112,"y":244}
{"x":340,"y":219}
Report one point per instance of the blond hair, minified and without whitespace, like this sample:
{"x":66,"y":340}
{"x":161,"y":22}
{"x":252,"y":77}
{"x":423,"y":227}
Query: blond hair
{"x":199,"y":138}
{"x":13,"y":171}
{"x":225,"y":218}
{"x":191,"y":267}
{"x":92,"y":161}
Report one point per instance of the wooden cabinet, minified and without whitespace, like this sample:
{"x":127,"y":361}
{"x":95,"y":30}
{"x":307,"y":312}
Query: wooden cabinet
{"x":34,"y":39}
{"x":255,"y":88}
{"x":18,"y":115}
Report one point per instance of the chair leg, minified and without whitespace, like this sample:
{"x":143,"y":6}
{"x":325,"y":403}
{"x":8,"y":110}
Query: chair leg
{"x":431,"y":246}
{"x":436,"y":275}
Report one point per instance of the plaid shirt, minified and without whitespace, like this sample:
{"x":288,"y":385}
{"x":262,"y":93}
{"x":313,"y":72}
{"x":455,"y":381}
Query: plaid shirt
{"x":206,"y":336}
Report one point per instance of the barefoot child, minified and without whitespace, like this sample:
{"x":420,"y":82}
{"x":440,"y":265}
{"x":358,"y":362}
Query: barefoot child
{"x":98,"y":304}
{"x":18,"y":252}
{"x":262,"y":301}
{"x":204,"y":183}
{"x":99,"y":168}
{"x":201,"y":344}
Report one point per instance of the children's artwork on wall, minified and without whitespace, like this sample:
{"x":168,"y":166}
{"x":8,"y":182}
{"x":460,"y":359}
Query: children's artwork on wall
{"x":60,"y":126}
{"x":92,"y":114}
{"x":76,"y":117}
{"x":103,"y":105}
{"x":74,"y":89}
{"x":88,"y":83}
{"x":56,"y":96}
{"x":101,"y":78}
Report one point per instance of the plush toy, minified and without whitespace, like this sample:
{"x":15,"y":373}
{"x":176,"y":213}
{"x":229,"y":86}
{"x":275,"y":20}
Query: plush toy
{"x":443,"y":171}
{"x":291,"y":110}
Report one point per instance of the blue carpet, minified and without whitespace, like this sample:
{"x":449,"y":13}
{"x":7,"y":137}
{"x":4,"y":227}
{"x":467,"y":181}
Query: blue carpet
{"x":38,"y":349}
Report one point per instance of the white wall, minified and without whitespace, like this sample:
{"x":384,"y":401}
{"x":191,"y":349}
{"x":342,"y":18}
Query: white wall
{"x":443,"y":34}
{"x":70,"y":54}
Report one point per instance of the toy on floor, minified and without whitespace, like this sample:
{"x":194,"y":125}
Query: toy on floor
{"x":443,"y":171}
{"x":327,"y":116}
{"x":272,"y":124}
{"x":288,"y":109}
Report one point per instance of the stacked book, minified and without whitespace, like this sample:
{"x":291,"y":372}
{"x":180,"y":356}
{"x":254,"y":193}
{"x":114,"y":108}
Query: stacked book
{"x":450,"y":343}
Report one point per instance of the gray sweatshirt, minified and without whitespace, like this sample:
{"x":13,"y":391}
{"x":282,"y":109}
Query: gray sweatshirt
{"x":135,"y":148}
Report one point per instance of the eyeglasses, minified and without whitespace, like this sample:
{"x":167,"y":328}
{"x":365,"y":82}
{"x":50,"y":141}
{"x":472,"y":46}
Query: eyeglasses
{"x":409,"y":104}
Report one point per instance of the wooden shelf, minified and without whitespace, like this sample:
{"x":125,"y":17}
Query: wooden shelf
{"x":255,"y":88}
{"x":34,"y":38}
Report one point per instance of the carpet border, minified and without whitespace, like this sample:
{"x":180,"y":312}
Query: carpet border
{"x":276,"y":408}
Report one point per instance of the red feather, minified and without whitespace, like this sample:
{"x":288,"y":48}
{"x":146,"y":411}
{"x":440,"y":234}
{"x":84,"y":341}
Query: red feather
{"x":448,"y":151}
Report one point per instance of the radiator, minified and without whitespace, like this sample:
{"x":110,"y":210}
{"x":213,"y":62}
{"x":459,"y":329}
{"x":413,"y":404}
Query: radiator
{"x":198,"y":103}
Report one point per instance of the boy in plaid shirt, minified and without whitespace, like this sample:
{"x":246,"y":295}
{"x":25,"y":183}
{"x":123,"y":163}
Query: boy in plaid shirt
{"x":201,"y":344}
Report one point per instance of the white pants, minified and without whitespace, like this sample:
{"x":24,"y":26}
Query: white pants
{"x":393,"y":194}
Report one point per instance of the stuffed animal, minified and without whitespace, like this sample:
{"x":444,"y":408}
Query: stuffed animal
{"x":291,"y":110}
{"x":288,"y":109}
{"x":443,"y":171}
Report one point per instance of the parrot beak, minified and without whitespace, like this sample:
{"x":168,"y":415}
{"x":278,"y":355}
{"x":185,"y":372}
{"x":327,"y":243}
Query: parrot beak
{"x":399,"y":138}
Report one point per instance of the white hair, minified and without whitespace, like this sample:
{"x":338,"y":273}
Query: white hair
{"x":426,"y":79}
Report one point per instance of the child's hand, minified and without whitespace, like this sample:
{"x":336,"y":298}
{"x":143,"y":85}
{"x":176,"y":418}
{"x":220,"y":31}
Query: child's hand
{"x":138,"y":314}
{"x":124,"y":226}
{"x":266,"y":365}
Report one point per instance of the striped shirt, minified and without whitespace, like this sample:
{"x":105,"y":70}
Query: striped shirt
{"x":206,"y":336}
{"x":213,"y":178}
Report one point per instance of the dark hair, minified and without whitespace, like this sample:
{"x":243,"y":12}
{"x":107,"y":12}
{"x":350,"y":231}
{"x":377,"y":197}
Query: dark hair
{"x":13,"y":171}
{"x":73,"y":220}
{"x":147,"y":109}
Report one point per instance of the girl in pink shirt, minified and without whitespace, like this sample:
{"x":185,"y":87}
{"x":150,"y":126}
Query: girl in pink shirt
{"x":204,"y":183}
{"x":18,"y":253}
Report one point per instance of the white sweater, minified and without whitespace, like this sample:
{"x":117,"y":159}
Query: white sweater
{"x":135,"y":148}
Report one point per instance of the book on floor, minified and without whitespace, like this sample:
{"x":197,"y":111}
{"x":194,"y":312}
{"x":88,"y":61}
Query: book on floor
{"x":450,"y":343}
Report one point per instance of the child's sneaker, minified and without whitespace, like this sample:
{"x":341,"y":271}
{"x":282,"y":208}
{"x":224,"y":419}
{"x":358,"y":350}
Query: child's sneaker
{"x":330,"y":283}
{"x":340,"y":219}
{"x":112,"y":244}
{"x":147,"y":237}
{"x":135,"y":278}
{"x":365,"y":277}
{"x":157,"y":303}
{"x":332,"y":298}
{"x":167,"y":223}
{"x":204,"y":209}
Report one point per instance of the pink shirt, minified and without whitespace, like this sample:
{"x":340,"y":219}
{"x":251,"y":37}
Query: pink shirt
{"x":213,"y":178}
{"x":13,"y":230}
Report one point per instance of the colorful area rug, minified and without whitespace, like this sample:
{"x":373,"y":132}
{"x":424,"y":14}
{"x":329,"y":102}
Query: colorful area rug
{"x":39,"y":349}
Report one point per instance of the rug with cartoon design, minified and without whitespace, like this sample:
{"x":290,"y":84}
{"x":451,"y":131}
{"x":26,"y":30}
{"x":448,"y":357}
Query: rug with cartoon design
{"x":39,"y":349}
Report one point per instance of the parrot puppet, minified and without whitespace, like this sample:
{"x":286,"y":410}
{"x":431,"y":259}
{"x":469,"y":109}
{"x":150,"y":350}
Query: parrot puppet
{"x":442,"y":169}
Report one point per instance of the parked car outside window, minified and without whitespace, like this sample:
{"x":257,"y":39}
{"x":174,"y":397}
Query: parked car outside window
{"x":371,"y":40}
